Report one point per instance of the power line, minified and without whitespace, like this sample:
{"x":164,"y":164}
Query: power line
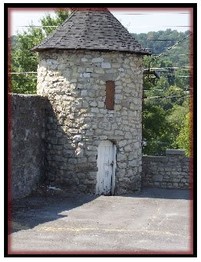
{"x":176,"y":26}
{"x":171,"y":47}
{"x":164,"y":97}
{"x":39,"y":26}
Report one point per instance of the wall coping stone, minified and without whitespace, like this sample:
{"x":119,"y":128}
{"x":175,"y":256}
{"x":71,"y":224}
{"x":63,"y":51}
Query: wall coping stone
{"x":175,"y":152}
{"x":27,"y":95}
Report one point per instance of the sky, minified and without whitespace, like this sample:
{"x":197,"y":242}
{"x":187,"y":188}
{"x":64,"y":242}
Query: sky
{"x":135,"y":20}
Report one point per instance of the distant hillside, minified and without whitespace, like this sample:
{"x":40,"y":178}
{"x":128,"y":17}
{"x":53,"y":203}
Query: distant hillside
{"x":159,"y":42}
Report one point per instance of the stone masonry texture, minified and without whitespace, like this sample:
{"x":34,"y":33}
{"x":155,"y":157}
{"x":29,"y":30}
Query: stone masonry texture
{"x":170,"y":171}
{"x":32,"y":141}
{"x":77,"y":120}
{"x":27,"y":134}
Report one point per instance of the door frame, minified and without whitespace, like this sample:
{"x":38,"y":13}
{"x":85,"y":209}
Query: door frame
{"x":98,"y":177}
{"x":114,"y":167}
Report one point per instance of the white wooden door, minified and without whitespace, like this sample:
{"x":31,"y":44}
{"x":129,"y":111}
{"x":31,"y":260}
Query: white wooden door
{"x":106,"y":163}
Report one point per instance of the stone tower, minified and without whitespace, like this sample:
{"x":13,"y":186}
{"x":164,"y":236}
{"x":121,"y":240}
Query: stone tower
{"x":90,"y":69}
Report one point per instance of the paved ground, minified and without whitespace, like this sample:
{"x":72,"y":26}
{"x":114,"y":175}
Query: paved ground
{"x":155,"y":220}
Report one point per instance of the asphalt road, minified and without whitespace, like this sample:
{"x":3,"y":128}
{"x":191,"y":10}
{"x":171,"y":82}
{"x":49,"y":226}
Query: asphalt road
{"x":153,"y":221}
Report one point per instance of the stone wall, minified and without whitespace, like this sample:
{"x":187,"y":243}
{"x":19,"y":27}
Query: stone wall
{"x":170,"y":171}
{"x":27,"y":133}
{"x":45,"y":139}
{"x":77,"y":122}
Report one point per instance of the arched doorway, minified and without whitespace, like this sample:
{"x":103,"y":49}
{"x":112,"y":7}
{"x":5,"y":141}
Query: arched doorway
{"x":106,"y":163}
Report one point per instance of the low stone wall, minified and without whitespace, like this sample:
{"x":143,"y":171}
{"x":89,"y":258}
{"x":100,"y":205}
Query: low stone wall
{"x":27,"y":142}
{"x":170,"y":171}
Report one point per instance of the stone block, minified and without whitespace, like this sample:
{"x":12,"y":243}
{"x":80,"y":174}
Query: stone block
{"x":105,"y":65}
{"x":122,"y":143}
{"x":86,"y":75}
{"x":84,"y":93}
{"x":158,"y":178}
{"x":128,"y":148}
{"x":128,"y":135}
{"x":101,"y":104}
{"x":118,"y":97}
{"x":97,"y":60}
{"x":84,"y":59}
{"x":121,"y":157}
{"x":98,"y":71}
{"x":133,"y":163}
{"x":119,"y":132}
{"x":93,"y":104}
{"x":94,"y":110}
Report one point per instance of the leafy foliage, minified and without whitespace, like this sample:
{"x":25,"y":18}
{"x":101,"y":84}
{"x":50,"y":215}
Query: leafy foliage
{"x":166,"y":99}
{"x":176,"y":117}
{"x":156,"y":130}
{"x":183,"y":139}
{"x":23,"y":59}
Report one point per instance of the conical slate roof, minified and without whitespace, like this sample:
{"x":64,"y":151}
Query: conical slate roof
{"x":92,"y":29}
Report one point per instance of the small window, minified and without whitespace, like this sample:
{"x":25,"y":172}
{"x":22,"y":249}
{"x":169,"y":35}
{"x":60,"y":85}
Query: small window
{"x":110,"y":91}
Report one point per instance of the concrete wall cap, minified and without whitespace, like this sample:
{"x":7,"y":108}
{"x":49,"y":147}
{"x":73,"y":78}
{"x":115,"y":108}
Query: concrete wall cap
{"x":175,"y":152}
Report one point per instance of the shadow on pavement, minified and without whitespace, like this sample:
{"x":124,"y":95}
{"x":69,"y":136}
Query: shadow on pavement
{"x":35,"y":209}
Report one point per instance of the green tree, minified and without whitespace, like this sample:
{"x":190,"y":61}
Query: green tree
{"x":176,"y":117}
{"x":24,"y":60}
{"x":183,"y":139}
{"x":156,"y":130}
{"x":165,"y":105}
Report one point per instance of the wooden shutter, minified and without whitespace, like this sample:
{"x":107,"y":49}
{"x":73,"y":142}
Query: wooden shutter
{"x":110,"y":91}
